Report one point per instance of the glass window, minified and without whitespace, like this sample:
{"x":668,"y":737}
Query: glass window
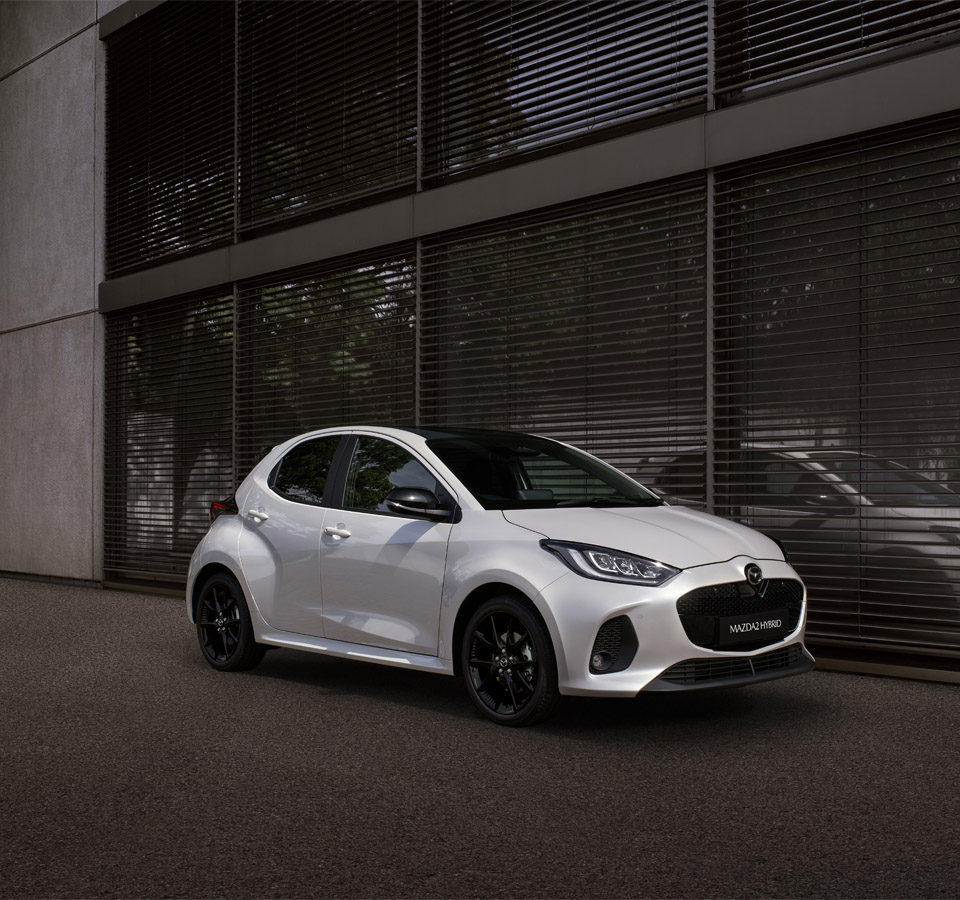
{"x":302,"y":473}
{"x":519,"y":471}
{"x":379,"y":466}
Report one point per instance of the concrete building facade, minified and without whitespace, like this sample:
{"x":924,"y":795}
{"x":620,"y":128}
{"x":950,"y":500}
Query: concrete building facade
{"x":681,"y":234}
{"x":51,"y":335}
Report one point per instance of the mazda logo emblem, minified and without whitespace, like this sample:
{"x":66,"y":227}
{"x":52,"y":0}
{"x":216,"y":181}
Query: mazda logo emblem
{"x":754,"y":575}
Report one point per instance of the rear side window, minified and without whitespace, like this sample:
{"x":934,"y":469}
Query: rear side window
{"x":301,"y":475}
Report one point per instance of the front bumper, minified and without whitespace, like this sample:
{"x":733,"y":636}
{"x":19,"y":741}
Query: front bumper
{"x":733,"y":671}
{"x":665,"y":658}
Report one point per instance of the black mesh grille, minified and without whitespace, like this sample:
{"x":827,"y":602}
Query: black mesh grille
{"x":701,"y":671}
{"x":617,"y":640}
{"x":700,"y":610}
{"x":733,"y":600}
{"x":609,"y":637}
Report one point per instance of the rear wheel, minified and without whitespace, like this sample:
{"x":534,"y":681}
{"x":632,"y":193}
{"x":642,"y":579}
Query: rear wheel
{"x":508,"y":663}
{"x":224,"y":629}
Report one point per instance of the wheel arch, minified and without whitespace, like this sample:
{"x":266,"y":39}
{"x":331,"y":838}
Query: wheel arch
{"x":472,"y":603}
{"x":202,"y":575}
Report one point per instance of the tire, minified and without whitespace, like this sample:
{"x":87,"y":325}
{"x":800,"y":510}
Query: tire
{"x":224,"y":629}
{"x":508,"y":663}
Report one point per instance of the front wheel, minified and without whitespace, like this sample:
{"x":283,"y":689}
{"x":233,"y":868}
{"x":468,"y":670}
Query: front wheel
{"x":224,"y":629}
{"x":508,"y":663}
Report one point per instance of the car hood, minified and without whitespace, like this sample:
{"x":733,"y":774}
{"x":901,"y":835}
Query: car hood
{"x":680,"y":537}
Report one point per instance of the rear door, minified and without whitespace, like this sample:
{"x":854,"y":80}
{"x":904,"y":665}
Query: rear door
{"x":282,"y":530}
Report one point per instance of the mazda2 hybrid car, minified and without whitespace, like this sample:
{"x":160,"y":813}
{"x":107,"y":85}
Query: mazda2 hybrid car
{"x":523,"y":564}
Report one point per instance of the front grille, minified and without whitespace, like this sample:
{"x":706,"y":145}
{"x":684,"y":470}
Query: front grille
{"x":701,"y":610}
{"x":702,"y":671}
{"x":616,"y":641}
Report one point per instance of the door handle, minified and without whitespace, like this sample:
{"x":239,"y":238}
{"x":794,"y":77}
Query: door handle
{"x":336,"y":531}
{"x":258,"y":514}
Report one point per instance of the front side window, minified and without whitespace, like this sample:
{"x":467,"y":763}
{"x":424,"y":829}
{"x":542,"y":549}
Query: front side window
{"x":302,"y":474}
{"x":379,"y":466}
{"x":520,"y":471}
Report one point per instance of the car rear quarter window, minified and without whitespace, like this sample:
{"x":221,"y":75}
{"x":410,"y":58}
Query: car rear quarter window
{"x":302,"y":474}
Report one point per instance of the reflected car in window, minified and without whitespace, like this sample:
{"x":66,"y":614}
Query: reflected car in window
{"x":877,"y":542}
{"x":526,"y":566}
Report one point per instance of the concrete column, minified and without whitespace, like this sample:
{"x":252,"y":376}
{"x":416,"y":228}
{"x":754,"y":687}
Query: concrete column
{"x":51,"y":355}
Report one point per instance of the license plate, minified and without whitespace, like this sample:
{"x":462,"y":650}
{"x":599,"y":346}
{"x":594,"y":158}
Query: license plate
{"x":769,"y":625}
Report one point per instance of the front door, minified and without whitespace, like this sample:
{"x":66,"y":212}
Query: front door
{"x":381,"y":573}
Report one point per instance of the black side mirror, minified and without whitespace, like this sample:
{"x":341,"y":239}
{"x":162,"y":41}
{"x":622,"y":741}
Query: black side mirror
{"x":415,"y":502}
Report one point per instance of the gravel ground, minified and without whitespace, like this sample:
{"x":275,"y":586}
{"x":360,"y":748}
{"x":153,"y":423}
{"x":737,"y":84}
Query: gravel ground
{"x":129,"y":768}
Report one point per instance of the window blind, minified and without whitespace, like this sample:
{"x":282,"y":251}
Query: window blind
{"x":838,"y":376}
{"x":510,"y":77}
{"x":332,"y":344}
{"x":761,"y":41}
{"x":585,"y":322}
{"x":169,"y":134}
{"x":328,"y":104}
{"x":168,"y":445}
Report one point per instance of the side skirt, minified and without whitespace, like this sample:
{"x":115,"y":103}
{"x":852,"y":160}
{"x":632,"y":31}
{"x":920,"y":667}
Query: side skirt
{"x":361,"y":652}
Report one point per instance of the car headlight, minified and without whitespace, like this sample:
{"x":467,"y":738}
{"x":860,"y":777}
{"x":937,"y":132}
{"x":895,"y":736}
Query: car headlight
{"x":605,"y":564}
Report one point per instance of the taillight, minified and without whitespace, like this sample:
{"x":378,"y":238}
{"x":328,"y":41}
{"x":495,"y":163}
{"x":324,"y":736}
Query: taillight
{"x":222,"y":507}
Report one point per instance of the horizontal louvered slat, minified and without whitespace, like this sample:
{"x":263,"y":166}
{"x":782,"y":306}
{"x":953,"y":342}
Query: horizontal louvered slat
{"x":761,"y":41}
{"x":169,"y":134}
{"x":332,"y":344}
{"x":838,"y":375}
{"x":328,"y":104}
{"x":168,"y":433}
{"x":506,"y":78}
{"x":584,"y":323}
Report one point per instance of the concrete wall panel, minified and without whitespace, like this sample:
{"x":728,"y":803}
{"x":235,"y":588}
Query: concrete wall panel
{"x":31,"y":27}
{"x":49,"y":457}
{"x":927,"y":85}
{"x":48,"y":241}
{"x":108,"y":6}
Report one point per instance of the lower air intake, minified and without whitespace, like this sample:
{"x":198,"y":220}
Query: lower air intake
{"x":615,"y":646}
{"x":701,"y":672}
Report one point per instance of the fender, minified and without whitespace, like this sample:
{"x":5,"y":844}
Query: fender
{"x":218,"y":547}
{"x":468,"y":571}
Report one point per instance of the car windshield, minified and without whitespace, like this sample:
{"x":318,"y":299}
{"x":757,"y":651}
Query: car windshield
{"x":886,"y":483}
{"x":524,"y":472}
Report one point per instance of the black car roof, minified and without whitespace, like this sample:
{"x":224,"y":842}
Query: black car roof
{"x":442,"y":431}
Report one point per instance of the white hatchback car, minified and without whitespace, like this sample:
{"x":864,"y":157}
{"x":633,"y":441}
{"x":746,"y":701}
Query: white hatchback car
{"x":529,"y":567}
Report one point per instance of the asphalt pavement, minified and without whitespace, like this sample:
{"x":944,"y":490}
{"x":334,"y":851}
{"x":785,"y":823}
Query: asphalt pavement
{"x":129,"y":768}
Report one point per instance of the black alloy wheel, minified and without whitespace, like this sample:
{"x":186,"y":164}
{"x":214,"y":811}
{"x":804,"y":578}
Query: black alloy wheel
{"x":508,"y":663}
{"x":223,"y":625}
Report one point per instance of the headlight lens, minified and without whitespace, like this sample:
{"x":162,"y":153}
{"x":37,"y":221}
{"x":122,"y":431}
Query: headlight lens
{"x":605,"y":564}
